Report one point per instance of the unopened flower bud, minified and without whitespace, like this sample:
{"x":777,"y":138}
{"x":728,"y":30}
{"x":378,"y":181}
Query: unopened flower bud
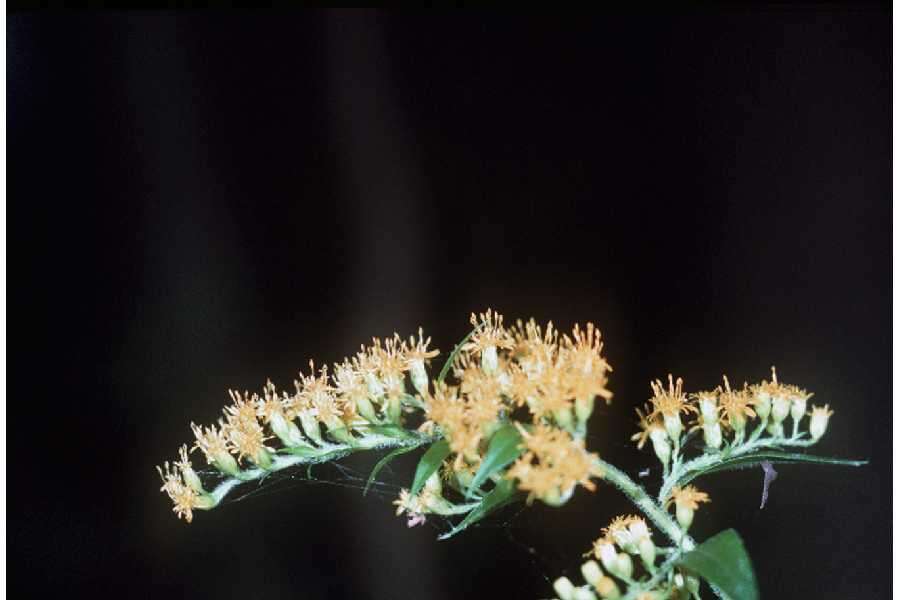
{"x":262,"y":458}
{"x":624,"y":566}
{"x":225,"y":462}
{"x":591,"y":572}
{"x":763,"y":405}
{"x":433,"y":483}
{"x":647,"y":549}
{"x":673,"y":426}
{"x":661,"y":445}
{"x":583,"y":408}
{"x":685,"y":515}
{"x":712,"y":435}
{"x":394,"y":409}
{"x":364,"y":407}
{"x":310,"y":426}
{"x":419,"y":376}
{"x":781,"y":406}
{"x":798,"y":407}
{"x":607,"y":556}
{"x":607,"y":588}
{"x":818,"y":422}
{"x":192,"y":480}
{"x":286,"y":431}
{"x":376,"y":388}
{"x":583,"y":593}
{"x":564,"y":588}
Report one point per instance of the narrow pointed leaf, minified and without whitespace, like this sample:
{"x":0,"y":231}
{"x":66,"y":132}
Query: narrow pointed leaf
{"x":383,"y":463}
{"x":772,"y":456}
{"x":428,"y":464}
{"x":722,"y":560}
{"x":449,"y":362}
{"x":502,"y":450}
{"x":502,"y":494}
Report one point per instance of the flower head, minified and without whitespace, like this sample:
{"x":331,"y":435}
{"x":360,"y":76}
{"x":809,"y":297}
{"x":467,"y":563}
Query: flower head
{"x":669,"y":402}
{"x":489,"y":332}
{"x":687,"y":497}
{"x":686,"y":501}
{"x":212,"y":441}
{"x":183,"y":487}
{"x":553,"y":464}
{"x":736,"y":405}
{"x":417,"y":350}
{"x":818,"y":422}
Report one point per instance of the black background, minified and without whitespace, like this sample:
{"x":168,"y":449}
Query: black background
{"x":201,"y":201}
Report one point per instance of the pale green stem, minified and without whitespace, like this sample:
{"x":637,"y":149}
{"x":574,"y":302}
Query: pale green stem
{"x":317,"y":456}
{"x":713,"y":458}
{"x":655,"y":512}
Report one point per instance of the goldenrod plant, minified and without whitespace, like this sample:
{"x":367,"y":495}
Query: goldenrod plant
{"x":505,"y":420}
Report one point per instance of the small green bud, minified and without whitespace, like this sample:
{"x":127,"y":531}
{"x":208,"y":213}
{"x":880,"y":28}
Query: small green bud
{"x":798,"y":407}
{"x":394,"y":409}
{"x":192,"y":480}
{"x":286,"y":431}
{"x":763,"y":405}
{"x":624,"y":566}
{"x":684,"y":515}
{"x":583,"y":593}
{"x":310,"y":426}
{"x":225,"y":462}
{"x":661,"y":445}
{"x":608,"y":556}
{"x":712,"y":435}
{"x":583,"y":408}
{"x":591,"y":572}
{"x":673,"y":426}
{"x":419,"y":376}
{"x":564,"y":588}
{"x":647,"y":550}
{"x":781,"y":406}
{"x":607,"y":588}
{"x":364,"y":407}
{"x":818,"y":422}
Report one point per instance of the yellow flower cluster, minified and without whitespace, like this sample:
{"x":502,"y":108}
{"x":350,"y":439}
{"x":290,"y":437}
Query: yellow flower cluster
{"x":182,"y":485}
{"x":553,"y":465}
{"x":556,"y":378}
{"x":721,"y":409}
{"x":367,"y":389}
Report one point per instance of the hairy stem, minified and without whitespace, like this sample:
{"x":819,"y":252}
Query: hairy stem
{"x":710,"y":459}
{"x":654,"y":511}
{"x":312,"y":456}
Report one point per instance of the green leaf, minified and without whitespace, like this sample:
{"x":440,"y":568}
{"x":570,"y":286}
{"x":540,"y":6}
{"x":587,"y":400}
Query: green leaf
{"x":722,"y":560}
{"x":502,"y":494}
{"x":392,"y":431}
{"x":502,"y":450}
{"x":446,"y":368}
{"x":428,"y":464}
{"x":383,"y":463}
{"x":773,"y":456}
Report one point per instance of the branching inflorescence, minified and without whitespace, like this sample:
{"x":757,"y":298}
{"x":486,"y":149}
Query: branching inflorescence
{"x":506,"y":418}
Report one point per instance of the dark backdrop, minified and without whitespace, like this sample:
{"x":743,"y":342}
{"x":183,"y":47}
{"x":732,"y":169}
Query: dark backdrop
{"x":201,"y":201}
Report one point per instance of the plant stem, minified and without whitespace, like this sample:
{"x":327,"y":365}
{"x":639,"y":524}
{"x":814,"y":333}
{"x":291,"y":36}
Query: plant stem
{"x":654,"y":511}
{"x":711,"y":458}
{"x":317,"y":456}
